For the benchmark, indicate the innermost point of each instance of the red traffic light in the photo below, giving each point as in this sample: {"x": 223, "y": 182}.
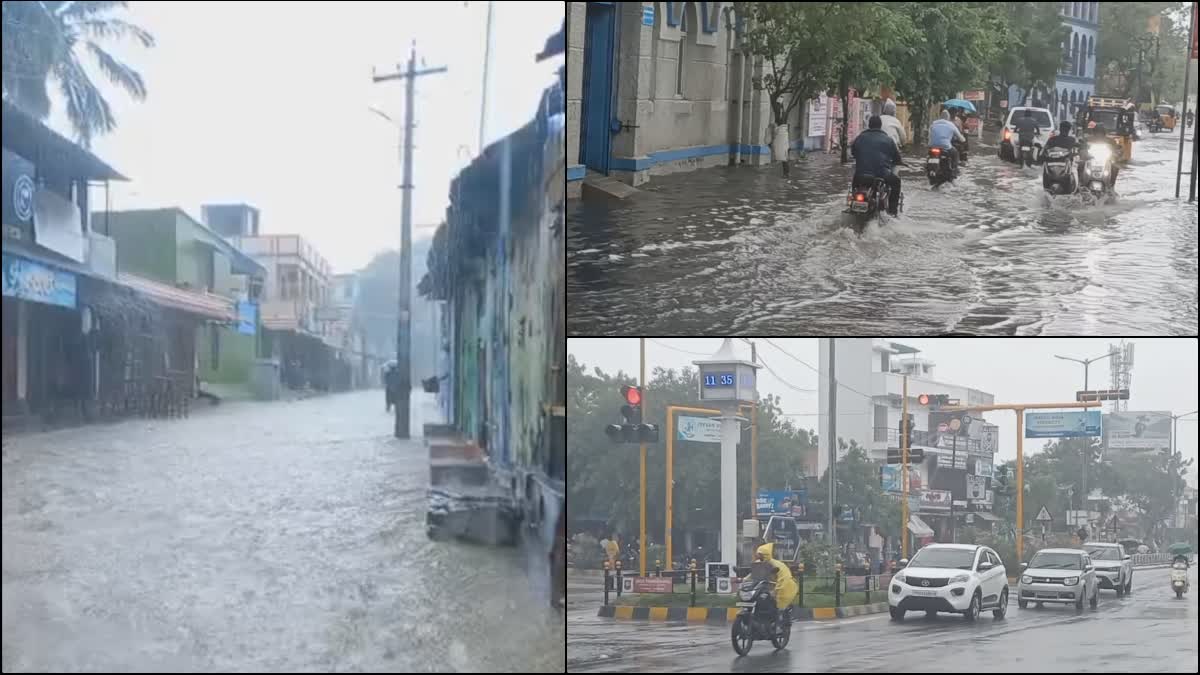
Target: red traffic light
{"x": 633, "y": 395}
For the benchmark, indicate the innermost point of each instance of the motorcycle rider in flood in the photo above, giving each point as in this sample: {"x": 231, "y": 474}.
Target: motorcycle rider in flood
{"x": 942, "y": 134}
{"x": 1026, "y": 128}
{"x": 874, "y": 155}
{"x": 1097, "y": 136}
{"x": 891, "y": 124}
{"x": 786, "y": 587}
{"x": 1064, "y": 140}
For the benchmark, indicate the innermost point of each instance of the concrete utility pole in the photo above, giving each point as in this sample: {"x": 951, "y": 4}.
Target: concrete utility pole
{"x": 832, "y": 440}
{"x": 403, "y": 326}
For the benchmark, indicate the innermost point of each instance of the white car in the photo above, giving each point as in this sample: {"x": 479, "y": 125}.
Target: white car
{"x": 1114, "y": 567}
{"x": 1045, "y": 122}
{"x": 1062, "y": 575}
{"x": 961, "y": 578}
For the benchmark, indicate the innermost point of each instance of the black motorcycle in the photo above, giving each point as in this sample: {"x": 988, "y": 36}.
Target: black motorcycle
{"x": 938, "y": 167}
{"x": 1059, "y": 175}
{"x": 1026, "y": 152}
{"x": 868, "y": 197}
{"x": 758, "y": 618}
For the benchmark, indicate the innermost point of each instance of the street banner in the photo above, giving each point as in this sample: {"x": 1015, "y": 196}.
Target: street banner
{"x": 648, "y": 584}
{"x": 973, "y": 95}
{"x": 1073, "y": 424}
{"x": 976, "y": 488}
{"x": 935, "y": 500}
{"x": 1138, "y": 430}
{"x": 699, "y": 429}
{"x": 792, "y": 503}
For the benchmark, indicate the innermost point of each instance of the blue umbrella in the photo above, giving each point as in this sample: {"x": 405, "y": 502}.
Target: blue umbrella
{"x": 959, "y": 103}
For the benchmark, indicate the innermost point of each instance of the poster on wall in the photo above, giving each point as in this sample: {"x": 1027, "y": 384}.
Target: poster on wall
{"x": 818, "y": 116}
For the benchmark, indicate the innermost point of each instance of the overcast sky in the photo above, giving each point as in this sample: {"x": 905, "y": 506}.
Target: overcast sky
{"x": 267, "y": 103}
{"x": 1014, "y": 369}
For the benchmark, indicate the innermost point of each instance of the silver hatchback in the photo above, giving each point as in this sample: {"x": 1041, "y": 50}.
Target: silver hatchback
{"x": 1062, "y": 575}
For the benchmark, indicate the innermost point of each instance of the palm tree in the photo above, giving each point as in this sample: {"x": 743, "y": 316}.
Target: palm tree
{"x": 44, "y": 43}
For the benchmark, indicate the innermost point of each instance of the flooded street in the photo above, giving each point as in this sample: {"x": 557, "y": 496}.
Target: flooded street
{"x": 746, "y": 250}
{"x": 268, "y": 537}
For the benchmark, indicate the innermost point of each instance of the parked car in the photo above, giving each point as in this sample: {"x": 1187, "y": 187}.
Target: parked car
{"x": 961, "y": 578}
{"x": 1045, "y": 122}
{"x": 1114, "y": 567}
{"x": 1059, "y": 575}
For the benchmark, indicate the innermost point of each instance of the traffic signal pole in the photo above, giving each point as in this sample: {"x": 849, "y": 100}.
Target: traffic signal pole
{"x": 642, "y": 545}
{"x": 1019, "y": 409}
{"x": 904, "y": 473}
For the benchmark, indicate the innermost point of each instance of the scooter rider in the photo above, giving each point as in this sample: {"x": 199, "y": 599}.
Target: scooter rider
{"x": 1063, "y": 139}
{"x": 874, "y": 155}
{"x": 1096, "y": 136}
{"x": 1026, "y": 128}
{"x": 942, "y": 133}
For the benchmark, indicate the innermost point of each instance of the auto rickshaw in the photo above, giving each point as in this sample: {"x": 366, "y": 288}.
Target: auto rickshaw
{"x": 1164, "y": 118}
{"x": 1117, "y": 117}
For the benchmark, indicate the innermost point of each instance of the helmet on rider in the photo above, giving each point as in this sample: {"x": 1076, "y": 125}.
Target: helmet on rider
{"x": 1064, "y": 128}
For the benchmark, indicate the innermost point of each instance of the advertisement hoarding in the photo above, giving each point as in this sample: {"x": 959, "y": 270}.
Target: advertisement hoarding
{"x": 1070, "y": 424}
{"x": 1137, "y": 430}
{"x": 699, "y": 429}
{"x": 792, "y": 503}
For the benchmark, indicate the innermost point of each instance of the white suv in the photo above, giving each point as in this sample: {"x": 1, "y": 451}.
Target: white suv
{"x": 961, "y": 578}
{"x": 1063, "y": 575}
{"x": 1041, "y": 116}
{"x": 1114, "y": 567}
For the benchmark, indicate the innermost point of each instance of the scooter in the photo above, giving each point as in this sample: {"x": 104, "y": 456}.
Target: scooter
{"x": 1097, "y": 171}
{"x": 1059, "y": 175}
{"x": 1179, "y": 578}
{"x": 937, "y": 167}
{"x": 1026, "y": 153}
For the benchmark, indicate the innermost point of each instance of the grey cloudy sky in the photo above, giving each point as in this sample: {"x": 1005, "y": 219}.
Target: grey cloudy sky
{"x": 267, "y": 103}
{"x": 1014, "y": 369}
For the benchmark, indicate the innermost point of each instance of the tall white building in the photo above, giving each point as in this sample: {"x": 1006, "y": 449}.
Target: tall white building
{"x": 870, "y": 374}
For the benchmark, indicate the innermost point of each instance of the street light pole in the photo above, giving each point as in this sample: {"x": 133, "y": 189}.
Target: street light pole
{"x": 1085, "y": 452}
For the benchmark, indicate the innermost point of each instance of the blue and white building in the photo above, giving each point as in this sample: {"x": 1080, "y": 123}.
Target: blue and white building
{"x": 1077, "y": 79}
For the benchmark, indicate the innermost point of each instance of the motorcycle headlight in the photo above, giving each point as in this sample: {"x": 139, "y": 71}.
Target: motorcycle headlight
{"x": 1101, "y": 153}
{"x": 1070, "y": 581}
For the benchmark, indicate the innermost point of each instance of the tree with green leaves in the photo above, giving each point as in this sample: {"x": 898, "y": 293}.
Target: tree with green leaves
{"x": 1031, "y": 38}
{"x": 45, "y": 44}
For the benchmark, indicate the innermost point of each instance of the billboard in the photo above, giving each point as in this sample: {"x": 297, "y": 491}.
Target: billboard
{"x": 890, "y": 477}
{"x": 1071, "y": 424}
{"x": 792, "y": 503}
{"x": 1138, "y": 430}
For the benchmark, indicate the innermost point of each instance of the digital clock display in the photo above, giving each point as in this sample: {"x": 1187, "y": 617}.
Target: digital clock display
{"x": 718, "y": 379}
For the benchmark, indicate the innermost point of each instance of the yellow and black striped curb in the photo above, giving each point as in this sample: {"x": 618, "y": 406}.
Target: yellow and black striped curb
{"x": 718, "y": 616}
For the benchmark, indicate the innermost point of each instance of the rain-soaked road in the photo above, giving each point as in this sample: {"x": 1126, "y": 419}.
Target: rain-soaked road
{"x": 721, "y": 251}
{"x": 1147, "y": 631}
{"x": 270, "y": 537}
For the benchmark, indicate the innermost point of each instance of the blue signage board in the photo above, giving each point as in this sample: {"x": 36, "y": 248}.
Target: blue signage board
{"x": 1071, "y": 424}
{"x": 247, "y": 314}
{"x": 782, "y": 503}
{"x": 32, "y": 281}
{"x": 648, "y": 15}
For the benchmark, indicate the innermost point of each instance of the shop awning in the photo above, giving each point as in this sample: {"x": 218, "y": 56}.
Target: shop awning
{"x": 202, "y": 304}
{"x": 918, "y": 527}
{"x": 985, "y": 515}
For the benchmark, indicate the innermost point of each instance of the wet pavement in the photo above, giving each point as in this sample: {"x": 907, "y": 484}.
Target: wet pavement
{"x": 1147, "y": 631}
{"x": 270, "y": 537}
{"x": 745, "y": 250}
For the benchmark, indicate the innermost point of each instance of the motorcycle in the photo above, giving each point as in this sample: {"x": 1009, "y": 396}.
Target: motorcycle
{"x": 938, "y": 167}
{"x": 869, "y": 196}
{"x": 758, "y": 618}
{"x": 962, "y": 150}
{"x": 1026, "y": 153}
{"x": 1059, "y": 174}
{"x": 1179, "y": 578}
{"x": 1097, "y": 170}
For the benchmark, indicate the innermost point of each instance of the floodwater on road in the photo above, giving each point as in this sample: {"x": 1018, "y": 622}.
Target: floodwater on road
{"x": 1149, "y": 630}
{"x": 269, "y": 537}
{"x": 744, "y": 250}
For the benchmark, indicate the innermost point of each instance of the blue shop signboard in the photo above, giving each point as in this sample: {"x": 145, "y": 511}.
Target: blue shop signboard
{"x": 247, "y": 317}
{"x": 33, "y": 281}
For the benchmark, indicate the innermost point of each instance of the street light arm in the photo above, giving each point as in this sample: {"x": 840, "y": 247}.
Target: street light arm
{"x": 1068, "y": 358}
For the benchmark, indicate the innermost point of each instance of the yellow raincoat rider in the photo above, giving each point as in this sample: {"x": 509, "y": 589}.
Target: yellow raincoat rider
{"x": 786, "y": 587}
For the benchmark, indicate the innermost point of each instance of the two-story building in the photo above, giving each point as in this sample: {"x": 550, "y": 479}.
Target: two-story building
{"x": 82, "y": 336}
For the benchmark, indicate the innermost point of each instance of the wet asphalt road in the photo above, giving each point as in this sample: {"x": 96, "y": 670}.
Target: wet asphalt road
{"x": 269, "y": 537}
{"x": 1147, "y": 631}
{"x": 736, "y": 251}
